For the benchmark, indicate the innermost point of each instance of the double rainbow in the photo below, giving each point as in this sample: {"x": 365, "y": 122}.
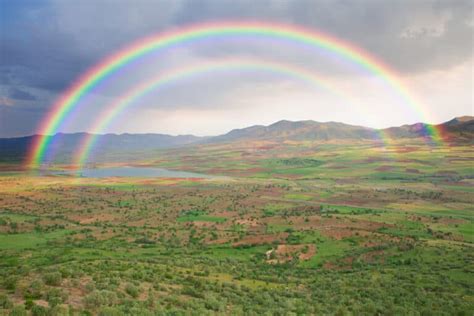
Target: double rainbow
{"x": 110, "y": 66}
{"x": 130, "y": 97}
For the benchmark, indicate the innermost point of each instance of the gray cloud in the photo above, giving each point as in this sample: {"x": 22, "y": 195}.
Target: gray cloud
{"x": 19, "y": 94}
{"x": 441, "y": 31}
{"x": 49, "y": 46}
{"x": 46, "y": 46}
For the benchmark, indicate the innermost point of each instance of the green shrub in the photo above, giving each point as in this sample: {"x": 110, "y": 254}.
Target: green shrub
{"x": 90, "y": 286}
{"x": 38, "y": 310}
{"x": 59, "y": 310}
{"x": 35, "y": 289}
{"x": 10, "y": 283}
{"x": 56, "y": 296}
{"x": 140, "y": 311}
{"x": 5, "y": 302}
{"x": 132, "y": 290}
{"x": 52, "y": 278}
{"x": 29, "y": 303}
{"x": 18, "y": 311}
{"x": 213, "y": 303}
{"x": 110, "y": 311}
{"x": 100, "y": 298}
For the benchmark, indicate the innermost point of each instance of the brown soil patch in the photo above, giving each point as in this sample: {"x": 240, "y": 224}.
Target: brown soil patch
{"x": 373, "y": 256}
{"x": 92, "y": 218}
{"x": 76, "y": 294}
{"x": 253, "y": 170}
{"x": 402, "y": 150}
{"x": 442, "y": 220}
{"x": 285, "y": 253}
{"x": 336, "y": 167}
{"x": 341, "y": 264}
{"x": 309, "y": 254}
{"x": 447, "y": 221}
{"x": 384, "y": 168}
{"x": 341, "y": 233}
{"x": 41, "y": 303}
{"x": 261, "y": 239}
{"x": 446, "y": 173}
{"x": 247, "y": 222}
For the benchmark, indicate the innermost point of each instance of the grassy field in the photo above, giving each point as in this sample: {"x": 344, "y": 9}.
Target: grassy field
{"x": 309, "y": 228}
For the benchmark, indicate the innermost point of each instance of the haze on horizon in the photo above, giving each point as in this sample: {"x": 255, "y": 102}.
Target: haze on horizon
{"x": 45, "y": 46}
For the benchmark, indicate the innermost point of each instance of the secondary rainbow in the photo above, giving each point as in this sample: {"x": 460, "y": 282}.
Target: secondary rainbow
{"x": 69, "y": 100}
{"x": 106, "y": 117}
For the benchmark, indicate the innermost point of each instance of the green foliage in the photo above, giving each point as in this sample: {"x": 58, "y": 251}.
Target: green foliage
{"x": 344, "y": 241}
{"x": 52, "y": 278}
{"x": 132, "y": 290}
{"x": 18, "y": 310}
{"x": 199, "y": 216}
{"x": 99, "y": 298}
{"x": 38, "y": 310}
{"x": 301, "y": 162}
{"x": 110, "y": 311}
{"x": 56, "y": 296}
{"x": 35, "y": 289}
{"x": 10, "y": 282}
{"x": 5, "y": 302}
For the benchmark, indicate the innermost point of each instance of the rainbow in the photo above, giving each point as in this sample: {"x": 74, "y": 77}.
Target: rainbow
{"x": 86, "y": 83}
{"x": 104, "y": 119}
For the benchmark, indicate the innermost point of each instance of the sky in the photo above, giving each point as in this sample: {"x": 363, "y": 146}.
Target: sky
{"x": 46, "y": 45}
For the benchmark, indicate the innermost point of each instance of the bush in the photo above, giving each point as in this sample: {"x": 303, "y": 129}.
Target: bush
{"x": 110, "y": 311}
{"x": 140, "y": 311}
{"x": 59, "y": 310}
{"x": 10, "y": 283}
{"x": 29, "y": 303}
{"x": 55, "y": 297}
{"x": 213, "y": 303}
{"x": 100, "y": 298}
{"x": 5, "y": 302}
{"x": 34, "y": 290}
{"x": 90, "y": 286}
{"x": 132, "y": 290}
{"x": 18, "y": 311}
{"x": 38, "y": 310}
{"x": 52, "y": 278}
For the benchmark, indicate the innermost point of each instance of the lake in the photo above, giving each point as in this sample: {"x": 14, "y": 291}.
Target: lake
{"x": 138, "y": 172}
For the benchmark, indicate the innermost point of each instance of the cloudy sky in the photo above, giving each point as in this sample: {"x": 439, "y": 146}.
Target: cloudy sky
{"x": 46, "y": 45}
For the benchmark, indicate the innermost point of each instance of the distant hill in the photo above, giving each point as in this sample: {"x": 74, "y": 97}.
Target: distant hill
{"x": 460, "y": 124}
{"x": 112, "y": 145}
{"x": 64, "y": 145}
{"x": 461, "y": 127}
{"x": 300, "y": 130}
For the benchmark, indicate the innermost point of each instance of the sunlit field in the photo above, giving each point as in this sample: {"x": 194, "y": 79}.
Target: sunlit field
{"x": 303, "y": 228}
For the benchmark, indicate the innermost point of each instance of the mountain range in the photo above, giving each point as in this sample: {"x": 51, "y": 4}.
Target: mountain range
{"x": 64, "y": 145}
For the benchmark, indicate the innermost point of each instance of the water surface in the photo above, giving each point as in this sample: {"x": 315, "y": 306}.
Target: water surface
{"x": 127, "y": 171}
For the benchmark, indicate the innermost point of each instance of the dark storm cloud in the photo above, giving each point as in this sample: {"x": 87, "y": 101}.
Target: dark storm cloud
{"x": 412, "y": 36}
{"x": 46, "y": 45}
{"x": 19, "y": 94}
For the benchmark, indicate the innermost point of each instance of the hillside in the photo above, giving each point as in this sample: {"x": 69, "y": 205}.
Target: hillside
{"x": 112, "y": 145}
{"x": 458, "y": 127}
{"x": 64, "y": 145}
{"x": 300, "y": 130}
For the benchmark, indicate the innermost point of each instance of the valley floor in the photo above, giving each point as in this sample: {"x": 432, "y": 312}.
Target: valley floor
{"x": 293, "y": 228}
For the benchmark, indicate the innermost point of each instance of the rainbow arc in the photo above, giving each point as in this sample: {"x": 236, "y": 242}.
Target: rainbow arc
{"x": 69, "y": 100}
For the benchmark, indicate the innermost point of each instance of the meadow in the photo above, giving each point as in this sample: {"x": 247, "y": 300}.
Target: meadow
{"x": 291, "y": 228}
